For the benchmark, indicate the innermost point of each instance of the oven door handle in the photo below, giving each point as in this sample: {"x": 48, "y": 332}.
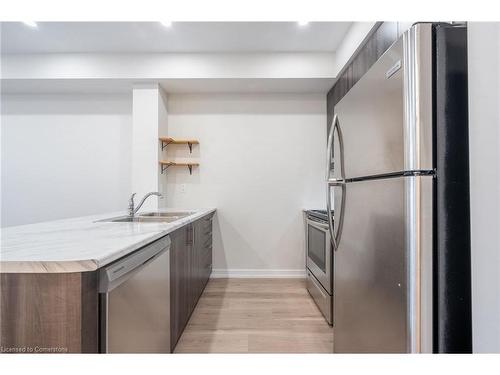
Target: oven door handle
{"x": 318, "y": 224}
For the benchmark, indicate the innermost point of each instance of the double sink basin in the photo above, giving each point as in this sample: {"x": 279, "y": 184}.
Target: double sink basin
{"x": 150, "y": 217}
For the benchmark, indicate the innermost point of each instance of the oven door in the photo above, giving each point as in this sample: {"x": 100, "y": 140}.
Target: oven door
{"x": 319, "y": 254}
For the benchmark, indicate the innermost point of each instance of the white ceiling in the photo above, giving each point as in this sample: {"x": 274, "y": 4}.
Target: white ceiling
{"x": 131, "y": 37}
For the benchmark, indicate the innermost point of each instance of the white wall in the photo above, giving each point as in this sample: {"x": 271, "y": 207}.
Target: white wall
{"x": 484, "y": 133}
{"x": 147, "y": 109}
{"x": 358, "y": 32}
{"x": 162, "y": 130}
{"x": 261, "y": 162}
{"x": 64, "y": 156}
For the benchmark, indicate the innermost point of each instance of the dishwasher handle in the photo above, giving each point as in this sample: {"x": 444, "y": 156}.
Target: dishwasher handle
{"x": 118, "y": 272}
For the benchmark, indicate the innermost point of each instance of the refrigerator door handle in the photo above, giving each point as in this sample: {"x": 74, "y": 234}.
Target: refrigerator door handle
{"x": 335, "y": 237}
{"x": 335, "y": 127}
{"x": 329, "y": 214}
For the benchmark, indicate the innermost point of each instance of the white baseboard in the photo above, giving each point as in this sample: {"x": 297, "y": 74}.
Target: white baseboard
{"x": 257, "y": 273}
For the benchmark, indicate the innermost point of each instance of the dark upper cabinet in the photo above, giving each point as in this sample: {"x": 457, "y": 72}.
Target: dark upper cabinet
{"x": 374, "y": 47}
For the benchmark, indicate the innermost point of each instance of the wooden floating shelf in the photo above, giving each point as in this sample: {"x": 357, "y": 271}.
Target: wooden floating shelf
{"x": 165, "y": 141}
{"x": 166, "y": 164}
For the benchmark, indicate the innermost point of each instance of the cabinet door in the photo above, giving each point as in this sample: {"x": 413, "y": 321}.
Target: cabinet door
{"x": 174, "y": 289}
{"x": 186, "y": 275}
{"x": 192, "y": 296}
{"x": 190, "y": 268}
{"x": 179, "y": 263}
{"x": 206, "y": 250}
{"x": 198, "y": 243}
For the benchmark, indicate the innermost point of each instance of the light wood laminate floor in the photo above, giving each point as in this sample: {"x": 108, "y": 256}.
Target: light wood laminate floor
{"x": 256, "y": 316}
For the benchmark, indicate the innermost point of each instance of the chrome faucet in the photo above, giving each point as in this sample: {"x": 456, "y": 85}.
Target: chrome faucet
{"x": 131, "y": 205}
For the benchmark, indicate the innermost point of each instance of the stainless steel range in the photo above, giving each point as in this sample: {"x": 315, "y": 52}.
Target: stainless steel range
{"x": 319, "y": 261}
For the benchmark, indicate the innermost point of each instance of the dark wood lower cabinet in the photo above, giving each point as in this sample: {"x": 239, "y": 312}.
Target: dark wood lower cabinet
{"x": 190, "y": 269}
{"x": 178, "y": 283}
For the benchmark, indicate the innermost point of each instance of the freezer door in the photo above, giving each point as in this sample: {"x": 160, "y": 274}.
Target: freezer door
{"x": 386, "y": 118}
{"x": 377, "y": 264}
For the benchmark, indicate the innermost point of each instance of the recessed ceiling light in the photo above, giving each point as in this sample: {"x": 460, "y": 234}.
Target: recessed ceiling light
{"x": 31, "y": 24}
{"x": 303, "y": 23}
{"x": 166, "y": 23}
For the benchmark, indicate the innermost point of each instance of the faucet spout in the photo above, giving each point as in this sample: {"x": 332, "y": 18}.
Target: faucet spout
{"x": 132, "y": 210}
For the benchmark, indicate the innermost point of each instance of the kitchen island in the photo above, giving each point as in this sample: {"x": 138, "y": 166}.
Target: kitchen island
{"x": 50, "y": 276}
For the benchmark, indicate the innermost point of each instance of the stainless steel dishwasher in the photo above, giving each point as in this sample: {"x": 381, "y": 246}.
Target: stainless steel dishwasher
{"x": 134, "y": 301}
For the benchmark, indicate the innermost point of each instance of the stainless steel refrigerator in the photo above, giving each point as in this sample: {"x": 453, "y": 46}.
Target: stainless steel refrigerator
{"x": 397, "y": 179}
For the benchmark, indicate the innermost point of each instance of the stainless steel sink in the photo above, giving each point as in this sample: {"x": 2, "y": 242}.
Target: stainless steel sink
{"x": 150, "y": 217}
{"x": 141, "y": 219}
{"x": 178, "y": 214}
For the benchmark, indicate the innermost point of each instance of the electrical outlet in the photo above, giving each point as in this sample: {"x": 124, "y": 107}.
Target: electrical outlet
{"x": 183, "y": 188}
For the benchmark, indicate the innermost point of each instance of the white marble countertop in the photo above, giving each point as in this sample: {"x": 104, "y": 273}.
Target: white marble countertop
{"x": 80, "y": 244}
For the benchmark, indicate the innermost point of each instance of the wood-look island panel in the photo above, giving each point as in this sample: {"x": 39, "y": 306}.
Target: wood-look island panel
{"x": 48, "y": 313}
